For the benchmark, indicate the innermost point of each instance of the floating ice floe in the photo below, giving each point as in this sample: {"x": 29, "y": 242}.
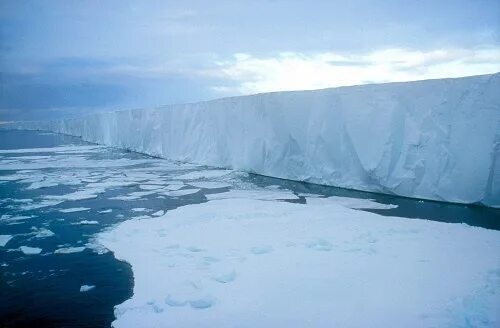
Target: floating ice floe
{"x": 87, "y": 222}
{"x": 205, "y": 174}
{"x": 30, "y": 250}
{"x": 4, "y": 239}
{"x": 41, "y": 184}
{"x": 125, "y": 198}
{"x": 139, "y": 209}
{"x": 174, "y": 186}
{"x": 74, "y": 209}
{"x": 215, "y": 263}
{"x": 150, "y": 187}
{"x": 105, "y": 211}
{"x": 15, "y": 219}
{"x": 178, "y": 193}
{"x": 159, "y": 213}
{"x": 42, "y": 232}
{"x": 210, "y": 184}
{"x": 86, "y": 288}
{"x": 77, "y": 195}
{"x": 69, "y": 250}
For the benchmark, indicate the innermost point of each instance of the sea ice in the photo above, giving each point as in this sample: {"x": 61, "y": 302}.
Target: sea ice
{"x": 69, "y": 250}
{"x": 210, "y": 184}
{"x": 159, "y": 213}
{"x": 178, "y": 193}
{"x": 206, "y": 174}
{"x": 86, "y": 288}
{"x": 30, "y": 250}
{"x": 74, "y": 209}
{"x": 42, "y": 232}
{"x": 4, "y": 239}
{"x": 252, "y": 263}
{"x": 87, "y": 222}
{"x": 150, "y": 187}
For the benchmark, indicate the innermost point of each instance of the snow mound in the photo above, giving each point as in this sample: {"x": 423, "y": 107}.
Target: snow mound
{"x": 434, "y": 139}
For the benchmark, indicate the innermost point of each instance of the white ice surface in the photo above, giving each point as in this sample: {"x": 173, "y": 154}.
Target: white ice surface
{"x": 30, "y": 250}
{"x": 434, "y": 139}
{"x": 86, "y": 288}
{"x": 178, "y": 193}
{"x": 74, "y": 209}
{"x": 252, "y": 263}
{"x": 42, "y": 232}
{"x": 88, "y": 222}
{"x": 210, "y": 184}
{"x": 207, "y": 174}
{"x": 4, "y": 239}
{"x": 139, "y": 209}
{"x": 69, "y": 250}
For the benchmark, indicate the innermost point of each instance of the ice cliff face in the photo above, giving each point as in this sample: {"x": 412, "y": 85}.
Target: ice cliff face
{"x": 435, "y": 139}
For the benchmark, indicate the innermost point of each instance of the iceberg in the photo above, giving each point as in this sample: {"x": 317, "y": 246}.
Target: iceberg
{"x": 432, "y": 139}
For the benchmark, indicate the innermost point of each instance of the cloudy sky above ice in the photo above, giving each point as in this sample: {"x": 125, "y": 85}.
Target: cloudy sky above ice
{"x": 66, "y": 58}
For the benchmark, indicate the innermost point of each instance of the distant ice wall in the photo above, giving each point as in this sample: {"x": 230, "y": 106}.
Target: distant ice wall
{"x": 434, "y": 139}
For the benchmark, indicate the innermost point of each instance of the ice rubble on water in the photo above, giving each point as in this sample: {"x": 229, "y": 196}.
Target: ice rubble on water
{"x": 434, "y": 139}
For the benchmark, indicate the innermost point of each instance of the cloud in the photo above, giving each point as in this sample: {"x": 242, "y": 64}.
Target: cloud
{"x": 297, "y": 71}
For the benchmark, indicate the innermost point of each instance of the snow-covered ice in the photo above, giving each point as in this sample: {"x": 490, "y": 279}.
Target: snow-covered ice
{"x": 158, "y": 213}
{"x": 434, "y": 139}
{"x": 178, "y": 193}
{"x": 149, "y": 187}
{"x": 86, "y": 288}
{"x": 30, "y": 250}
{"x": 88, "y": 222}
{"x": 69, "y": 250}
{"x": 42, "y": 232}
{"x": 254, "y": 263}
{"x": 210, "y": 184}
{"x": 4, "y": 239}
{"x": 74, "y": 209}
{"x": 206, "y": 174}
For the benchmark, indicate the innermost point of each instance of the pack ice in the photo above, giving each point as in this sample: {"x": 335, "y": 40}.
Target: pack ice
{"x": 434, "y": 139}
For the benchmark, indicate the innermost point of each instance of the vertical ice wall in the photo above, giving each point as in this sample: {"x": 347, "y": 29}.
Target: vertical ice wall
{"x": 435, "y": 139}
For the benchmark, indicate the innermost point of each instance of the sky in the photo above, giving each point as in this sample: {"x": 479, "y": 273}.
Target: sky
{"x": 70, "y": 58}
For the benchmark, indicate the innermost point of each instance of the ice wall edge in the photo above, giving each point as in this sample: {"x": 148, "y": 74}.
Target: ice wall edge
{"x": 433, "y": 139}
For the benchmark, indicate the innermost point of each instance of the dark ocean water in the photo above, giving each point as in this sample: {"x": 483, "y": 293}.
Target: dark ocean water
{"x": 43, "y": 290}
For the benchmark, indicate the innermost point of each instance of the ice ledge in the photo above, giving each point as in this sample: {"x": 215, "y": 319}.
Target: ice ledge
{"x": 434, "y": 139}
